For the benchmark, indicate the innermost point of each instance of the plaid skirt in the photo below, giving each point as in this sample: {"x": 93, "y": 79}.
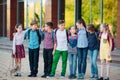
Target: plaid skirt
{"x": 20, "y": 52}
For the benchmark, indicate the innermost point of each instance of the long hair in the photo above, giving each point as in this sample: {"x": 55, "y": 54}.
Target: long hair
{"x": 81, "y": 21}
{"x": 106, "y": 27}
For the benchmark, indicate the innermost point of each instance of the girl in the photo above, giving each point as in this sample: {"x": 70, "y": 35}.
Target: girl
{"x": 105, "y": 50}
{"x": 82, "y": 46}
{"x": 93, "y": 47}
{"x": 72, "y": 52}
{"x": 18, "y": 48}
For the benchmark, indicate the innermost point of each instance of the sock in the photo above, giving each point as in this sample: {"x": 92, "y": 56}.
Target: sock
{"x": 108, "y": 69}
{"x": 102, "y": 65}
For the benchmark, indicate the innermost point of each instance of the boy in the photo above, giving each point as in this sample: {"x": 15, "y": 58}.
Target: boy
{"x": 48, "y": 48}
{"x": 34, "y": 44}
{"x": 60, "y": 48}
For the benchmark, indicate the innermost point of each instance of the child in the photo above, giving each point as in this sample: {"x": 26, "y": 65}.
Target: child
{"x": 18, "y": 48}
{"x": 93, "y": 48}
{"x": 48, "y": 48}
{"x": 82, "y": 48}
{"x": 34, "y": 36}
{"x": 60, "y": 49}
{"x": 105, "y": 50}
{"x": 72, "y": 50}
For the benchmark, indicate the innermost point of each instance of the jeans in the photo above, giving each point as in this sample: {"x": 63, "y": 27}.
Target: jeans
{"x": 56, "y": 57}
{"x": 82, "y": 60}
{"x": 48, "y": 57}
{"x": 93, "y": 61}
{"x": 33, "y": 60}
{"x": 72, "y": 63}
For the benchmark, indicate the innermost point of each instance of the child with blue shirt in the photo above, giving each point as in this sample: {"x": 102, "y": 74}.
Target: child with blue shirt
{"x": 82, "y": 48}
{"x": 93, "y": 48}
{"x": 72, "y": 52}
{"x": 34, "y": 36}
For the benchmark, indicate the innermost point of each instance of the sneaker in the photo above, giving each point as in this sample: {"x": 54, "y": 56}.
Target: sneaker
{"x": 79, "y": 76}
{"x": 17, "y": 75}
{"x": 44, "y": 76}
{"x": 92, "y": 76}
{"x": 32, "y": 75}
{"x": 107, "y": 78}
{"x": 50, "y": 76}
{"x": 73, "y": 76}
{"x": 62, "y": 76}
{"x": 70, "y": 76}
{"x": 101, "y": 78}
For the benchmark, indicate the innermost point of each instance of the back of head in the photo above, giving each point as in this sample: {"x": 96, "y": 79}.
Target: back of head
{"x": 81, "y": 21}
{"x": 33, "y": 22}
{"x": 50, "y": 24}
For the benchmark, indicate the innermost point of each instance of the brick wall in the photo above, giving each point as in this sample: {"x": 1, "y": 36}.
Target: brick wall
{"x": 118, "y": 26}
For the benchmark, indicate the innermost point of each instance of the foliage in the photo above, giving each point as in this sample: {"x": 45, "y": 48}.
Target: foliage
{"x": 109, "y": 12}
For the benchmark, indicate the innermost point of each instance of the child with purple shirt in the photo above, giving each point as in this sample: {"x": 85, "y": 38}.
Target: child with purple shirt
{"x": 48, "y": 48}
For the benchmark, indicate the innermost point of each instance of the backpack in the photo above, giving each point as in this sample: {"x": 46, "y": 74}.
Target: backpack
{"x": 39, "y": 36}
{"x": 98, "y": 40}
{"x": 108, "y": 38}
{"x": 66, "y": 34}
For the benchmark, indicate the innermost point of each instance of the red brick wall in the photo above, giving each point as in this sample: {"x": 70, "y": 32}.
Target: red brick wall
{"x": 118, "y": 26}
{"x": 1, "y": 19}
{"x": 11, "y": 17}
{"x": 21, "y": 12}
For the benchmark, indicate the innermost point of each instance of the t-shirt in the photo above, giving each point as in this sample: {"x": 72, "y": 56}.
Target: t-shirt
{"x": 61, "y": 39}
{"x": 48, "y": 40}
{"x": 92, "y": 41}
{"x": 82, "y": 38}
{"x": 72, "y": 46}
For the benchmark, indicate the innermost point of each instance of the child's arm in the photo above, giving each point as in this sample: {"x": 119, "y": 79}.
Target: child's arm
{"x": 54, "y": 49}
{"x": 14, "y": 49}
{"x": 110, "y": 42}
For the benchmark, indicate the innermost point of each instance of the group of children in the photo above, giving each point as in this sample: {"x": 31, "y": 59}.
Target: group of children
{"x": 73, "y": 44}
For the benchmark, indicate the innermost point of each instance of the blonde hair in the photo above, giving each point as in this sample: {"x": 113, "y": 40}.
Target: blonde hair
{"x": 106, "y": 27}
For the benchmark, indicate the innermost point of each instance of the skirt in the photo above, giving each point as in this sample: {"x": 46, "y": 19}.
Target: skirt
{"x": 20, "y": 52}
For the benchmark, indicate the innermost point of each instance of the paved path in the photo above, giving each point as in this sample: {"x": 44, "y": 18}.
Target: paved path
{"x": 5, "y": 62}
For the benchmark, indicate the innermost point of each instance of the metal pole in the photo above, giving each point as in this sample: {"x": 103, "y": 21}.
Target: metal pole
{"x": 90, "y": 11}
{"x": 27, "y": 13}
{"x": 40, "y": 13}
{"x": 17, "y": 11}
{"x": 3, "y": 19}
{"x": 101, "y": 11}
{"x": 34, "y": 11}
{"x": 59, "y": 10}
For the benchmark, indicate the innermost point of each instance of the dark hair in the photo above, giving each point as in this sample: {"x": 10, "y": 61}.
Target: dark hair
{"x": 33, "y": 22}
{"x": 50, "y": 24}
{"x": 61, "y": 21}
{"x": 81, "y": 21}
{"x": 91, "y": 27}
{"x": 17, "y": 25}
{"x": 70, "y": 29}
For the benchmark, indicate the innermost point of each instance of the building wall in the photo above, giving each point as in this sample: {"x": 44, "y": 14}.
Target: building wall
{"x": 118, "y": 26}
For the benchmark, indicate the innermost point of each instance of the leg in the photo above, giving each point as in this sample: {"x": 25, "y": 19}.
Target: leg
{"x": 50, "y": 60}
{"x": 55, "y": 61}
{"x": 84, "y": 60}
{"x": 64, "y": 62}
{"x": 79, "y": 53}
{"x": 45, "y": 56}
{"x": 31, "y": 61}
{"x": 91, "y": 61}
{"x": 74, "y": 64}
{"x": 108, "y": 68}
{"x": 94, "y": 60}
{"x": 36, "y": 60}
{"x": 102, "y": 66}
{"x": 70, "y": 63}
